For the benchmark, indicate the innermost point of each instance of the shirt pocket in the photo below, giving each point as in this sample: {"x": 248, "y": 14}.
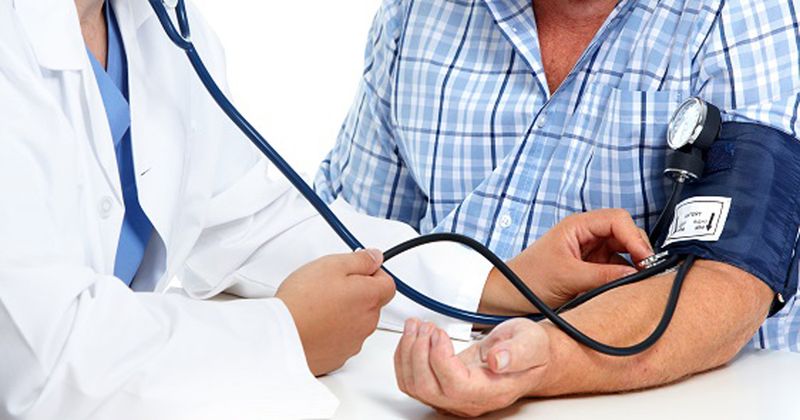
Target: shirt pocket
{"x": 624, "y": 134}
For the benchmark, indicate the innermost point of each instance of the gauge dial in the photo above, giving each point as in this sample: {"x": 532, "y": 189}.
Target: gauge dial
{"x": 686, "y": 123}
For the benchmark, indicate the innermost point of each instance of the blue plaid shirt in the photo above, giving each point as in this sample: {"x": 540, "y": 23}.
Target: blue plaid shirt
{"x": 454, "y": 128}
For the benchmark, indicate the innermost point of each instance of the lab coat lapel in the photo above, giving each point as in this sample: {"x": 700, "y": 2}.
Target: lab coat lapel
{"x": 158, "y": 103}
{"x": 53, "y": 29}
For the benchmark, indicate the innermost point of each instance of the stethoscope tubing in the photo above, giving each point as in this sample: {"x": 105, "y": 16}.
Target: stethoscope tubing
{"x": 183, "y": 41}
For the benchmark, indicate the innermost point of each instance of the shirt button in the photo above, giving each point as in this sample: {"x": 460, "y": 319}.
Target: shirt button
{"x": 542, "y": 121}
{"x": 505, "y": 221}
{"x": 105, "y": 206}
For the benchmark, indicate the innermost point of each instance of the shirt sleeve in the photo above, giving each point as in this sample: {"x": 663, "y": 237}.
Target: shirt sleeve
{"x": 366, "y": 165}
{"x": 749, "y": 65}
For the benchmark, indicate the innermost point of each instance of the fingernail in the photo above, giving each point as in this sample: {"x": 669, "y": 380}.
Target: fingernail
{"x": 375, "y": 254}
{"x": 629, "y": 272}
{"x": 502, "y": 358}
{"x": 435, "y": 338}
{"x": 411, "y": 327}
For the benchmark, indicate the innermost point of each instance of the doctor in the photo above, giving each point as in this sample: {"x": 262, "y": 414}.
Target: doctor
{"x": 118, "y": 173}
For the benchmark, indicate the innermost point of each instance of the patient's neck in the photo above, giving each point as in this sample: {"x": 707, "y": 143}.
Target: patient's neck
{"x": 572, "y": 13}
{"x": 566, "y": 27}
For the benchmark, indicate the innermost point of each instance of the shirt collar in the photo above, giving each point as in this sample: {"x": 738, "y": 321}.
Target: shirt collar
{"x": 515, "y": 19}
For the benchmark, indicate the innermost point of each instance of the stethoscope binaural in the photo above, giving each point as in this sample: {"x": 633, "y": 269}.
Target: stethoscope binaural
{"x": 678, "y": 170}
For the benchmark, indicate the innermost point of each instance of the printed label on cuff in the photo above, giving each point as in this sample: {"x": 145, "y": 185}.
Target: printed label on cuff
{"x": 699, "y": 219}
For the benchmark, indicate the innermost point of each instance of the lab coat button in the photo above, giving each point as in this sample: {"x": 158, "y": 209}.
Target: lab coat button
{"x": 505, "y": 221}
{"x": 105, "y": 207}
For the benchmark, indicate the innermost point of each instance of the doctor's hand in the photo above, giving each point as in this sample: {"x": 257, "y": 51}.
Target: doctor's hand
{"x": 577, "y": 255}
{"x": 335, "y": 302}
{"x": 489, "y": 375}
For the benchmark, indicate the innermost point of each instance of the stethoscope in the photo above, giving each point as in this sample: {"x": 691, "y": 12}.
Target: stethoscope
{"x": 682, "y": 167}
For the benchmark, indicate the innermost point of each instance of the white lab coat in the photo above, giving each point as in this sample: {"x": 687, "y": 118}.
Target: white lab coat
{"x": 76, "y": 343}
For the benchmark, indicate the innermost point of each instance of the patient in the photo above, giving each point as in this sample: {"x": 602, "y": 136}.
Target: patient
{"x": 498, "y": 118}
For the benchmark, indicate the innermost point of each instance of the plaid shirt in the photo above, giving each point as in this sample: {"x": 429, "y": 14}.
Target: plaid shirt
{"x": 454, "y": 128}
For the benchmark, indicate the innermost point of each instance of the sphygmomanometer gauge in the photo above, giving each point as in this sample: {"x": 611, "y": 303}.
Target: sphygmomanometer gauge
{"x": 692, "y": 129}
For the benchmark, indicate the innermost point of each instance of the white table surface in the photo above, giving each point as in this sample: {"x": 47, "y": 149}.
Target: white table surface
{"x": 757, "y": 385}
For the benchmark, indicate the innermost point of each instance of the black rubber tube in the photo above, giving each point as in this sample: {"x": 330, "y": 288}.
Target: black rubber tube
{"x": 552, "y": 315}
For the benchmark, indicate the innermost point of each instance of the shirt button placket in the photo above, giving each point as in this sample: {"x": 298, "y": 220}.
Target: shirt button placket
{"x": 542, "y": 121}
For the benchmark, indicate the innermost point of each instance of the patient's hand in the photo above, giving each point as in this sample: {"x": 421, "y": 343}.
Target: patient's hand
{"x": 489, "y": 375}
{"x": 577, "y": 255}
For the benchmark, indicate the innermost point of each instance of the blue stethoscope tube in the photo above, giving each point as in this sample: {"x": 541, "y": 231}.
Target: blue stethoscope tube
{"x": 183, "y": 41}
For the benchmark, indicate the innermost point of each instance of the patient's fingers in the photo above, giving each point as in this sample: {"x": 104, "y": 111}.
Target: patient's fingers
{"x": 402, "y": 356}
{"x": 426, "y": 386}
{"x": 526, "y": 347}
{"x": 449, "y": 368}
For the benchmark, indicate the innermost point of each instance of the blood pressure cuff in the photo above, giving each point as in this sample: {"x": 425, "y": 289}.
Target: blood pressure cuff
{"x": 745, "y": 209}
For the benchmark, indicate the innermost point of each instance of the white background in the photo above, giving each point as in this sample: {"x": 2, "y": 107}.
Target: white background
{"x": 293, "y": 67}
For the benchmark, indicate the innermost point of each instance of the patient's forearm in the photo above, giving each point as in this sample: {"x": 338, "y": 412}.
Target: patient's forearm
{"x": 720, "y": 308}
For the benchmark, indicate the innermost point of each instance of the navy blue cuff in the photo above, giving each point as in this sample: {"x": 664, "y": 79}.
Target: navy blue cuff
{"x": 758, "y": 168}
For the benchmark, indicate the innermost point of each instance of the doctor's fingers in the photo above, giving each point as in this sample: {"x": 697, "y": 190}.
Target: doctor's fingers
{"x": 588, "y": 275}
{"x": 607, "y": 250}
{"x": 377, "y": 289}
{"x": 364, "y": 262}
{"x": 615, "y": 226}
